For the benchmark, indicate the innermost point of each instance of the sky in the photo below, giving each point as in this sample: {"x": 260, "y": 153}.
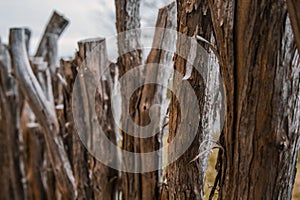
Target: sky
{"x": 88, "y": 19}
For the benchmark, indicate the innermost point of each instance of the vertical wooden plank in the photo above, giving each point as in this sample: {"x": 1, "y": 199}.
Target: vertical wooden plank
{"x": 44, "y": 111}
{"x": 156, "y": 94}
{"x": 10, "y": 129}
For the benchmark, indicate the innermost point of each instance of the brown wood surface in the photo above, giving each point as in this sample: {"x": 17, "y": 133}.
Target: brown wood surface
{"x": 155, "y": 94}
{"x": 259, "y": 65}
{"x": 43, "y": 110}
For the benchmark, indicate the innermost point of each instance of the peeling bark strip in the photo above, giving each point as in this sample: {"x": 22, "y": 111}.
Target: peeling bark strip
{"x": 155, "y": 94}
{"x": 44, "y": 112}
{"x": 10, "y": 169}
{"x": 260, "y": 70}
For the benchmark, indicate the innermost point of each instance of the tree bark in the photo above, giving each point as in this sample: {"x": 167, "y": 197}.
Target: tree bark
{"x": 293, "y": 7}
{"x": 260, "y": 70}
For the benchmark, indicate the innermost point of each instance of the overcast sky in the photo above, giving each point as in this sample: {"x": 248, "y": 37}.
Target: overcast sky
{"x": 88, "y": 18}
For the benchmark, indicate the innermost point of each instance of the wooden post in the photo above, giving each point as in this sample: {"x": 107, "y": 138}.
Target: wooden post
{"x": 56, "y": 25}
{"x": 51, "y": 56}
{"x": 28, "y": 36}
{"x": 260, "y": 69}
{"x": 128, "y": 19}
{"x": 48, "y": 49}
{"x": 44, "y": 111}
{"x": 10, "y": 157}
{"x": 34, "y": 144}
{"x": 293, "y": 10}
{"x": 154, "y": 94}
{"x": 93, "y": 57}
{"x": 44, "y": 77}
{"x": 185, "y": 179}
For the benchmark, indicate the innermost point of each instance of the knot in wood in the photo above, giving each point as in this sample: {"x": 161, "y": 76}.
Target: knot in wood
{"x": 283, "y": 144}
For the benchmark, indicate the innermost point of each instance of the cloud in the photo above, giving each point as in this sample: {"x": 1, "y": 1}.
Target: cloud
{"x": 89, "y": 18}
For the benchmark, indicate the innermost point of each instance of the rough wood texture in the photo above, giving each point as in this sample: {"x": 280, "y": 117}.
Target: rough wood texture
{"x": 34, "y": 152}
{"x": 33, "y": 161}
{"x": 10, "y": 170}
{"x": 93, "y": 58}
{"x": 51, "y": 56}
{"x": 156, "y": 94}
{"x": 293, "y": 9}
{"x": 44, "y": 111}
{"x": 77, "y": 152}
{"x": 128, "y": 19}
{"x": 48, "y": 50}
{"x": 42, "y": 72}
{"x": 56, "y": 26}
{"x": 185, "y": 179}
{"x": 28, "y": 36}
{"x": 260, "y": 70}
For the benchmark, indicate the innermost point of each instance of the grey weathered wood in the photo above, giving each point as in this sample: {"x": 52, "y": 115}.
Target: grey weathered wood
{"x": 44, "y": 111}
{"x": 77, "y": 151}
{"x": 44, "y": 77}
{"x": 48, "y": 49}
{"x": 93, "y": 58}
{"x": 28, "y": 37}
{"x": 56, "y": 26}
{"x": 10, "y": 170}
{"x": 52, "y": 52}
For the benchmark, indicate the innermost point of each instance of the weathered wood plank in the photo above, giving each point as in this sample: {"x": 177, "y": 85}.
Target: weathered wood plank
{"x": 10, "y": 170}
{"x": 156, "y": 94}
{"x": 92, "y": 60}
{"x": 260, "y": 69}
{"x": 127, "y": 20}
{"x": 56, "y": 26}
{"x": 185, "y": 179}
{"x": 44, "y": 112}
